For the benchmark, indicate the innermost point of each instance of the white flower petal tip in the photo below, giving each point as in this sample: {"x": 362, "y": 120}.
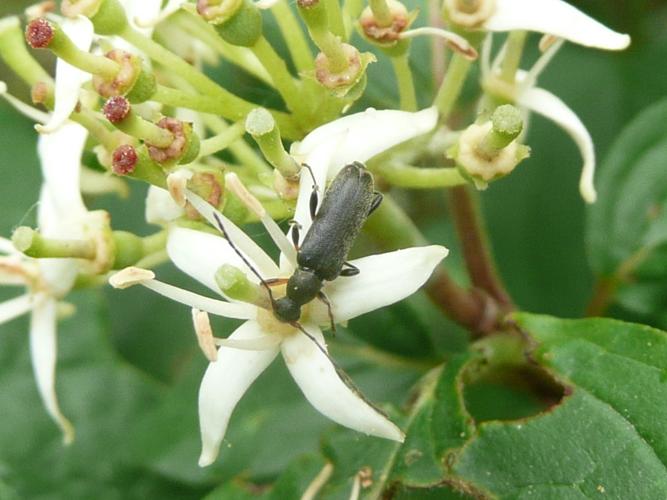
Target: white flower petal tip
{"x": 328, "y": 392}
{"x": 204, "y": 334}
{"x": 554, "y": 17}
{"x": 384, "y": 279}
{"x": 161, "y": 207}
{"x": 177, "y": 184}
{"x": 223, "y": 385}
{"x": 362, "y": 135}
{"x": 131, "y": 276}
{"x": 548, "y": 105}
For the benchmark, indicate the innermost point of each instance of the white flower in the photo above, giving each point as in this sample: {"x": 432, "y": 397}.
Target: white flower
{"x": 551, "y": 17}
{"x": 61, "y": 214}
{"x": 556, "y": 19}
{"x": 383, "y": 280}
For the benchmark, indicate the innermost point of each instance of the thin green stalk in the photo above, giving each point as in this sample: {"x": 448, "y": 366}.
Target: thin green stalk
{"x": 207, "y": 104}
{"x": 96, "y": 128}
{"x": 241, "y": 150}
{"x": 408, "y": 176}
{"x": 235, "y": 107}
{"x": 451, "y": 85}
{"x": 381, "y": 12}
{"x": 222, "y": 140}
{"x": 240, "y": 56}
{"x": 282, "y": 78}
{"x": 514, "y": 49}
{"x": 300, "y": 52}
{"x": 335, "y": 15}
{"x": 406, "y": 86}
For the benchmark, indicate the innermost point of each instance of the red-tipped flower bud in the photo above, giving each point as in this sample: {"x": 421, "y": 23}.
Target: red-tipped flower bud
{"x": 39, "y": 33}
{"x": 124, "y": 160}
{"x": 116, "y": 109}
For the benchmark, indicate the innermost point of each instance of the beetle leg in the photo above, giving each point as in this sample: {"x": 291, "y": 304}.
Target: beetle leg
{"x": 322, "y": 296}
{"x": 296, "y": 227}
{"x": 313, "y": 196}
{"x": 351, "y": 270}
{"x": 377, "y": 199}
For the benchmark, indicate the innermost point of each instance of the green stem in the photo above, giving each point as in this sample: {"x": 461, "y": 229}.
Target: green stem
{"x": 33, "y": 244}
{"x": 63, "y": 47}
{"x": 408, "y": 176}
{"x": 240, "y": 56}
{"x": 451, "y": 85}
{"x": 317, "y": 19}
{"x": 335, "y": 15}
{"x": 282, "y": 79}
{"x": 300, "y": 52}
{"x": 406, "y": 86}
{"x": 208, "y": 104}
{"x": 381, "y": 12}
{"x": 510, "y": 64}
{"x": 97, "y": 128}
{"x": 235, "y": 107}
{"x": 241, "y": 150}
{"x": 222, "y": 140}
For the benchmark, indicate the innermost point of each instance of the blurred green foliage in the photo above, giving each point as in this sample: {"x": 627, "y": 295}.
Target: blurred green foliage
{"x": 129, "y": 368}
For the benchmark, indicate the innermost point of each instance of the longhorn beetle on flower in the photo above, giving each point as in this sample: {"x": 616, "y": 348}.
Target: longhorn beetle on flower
{"x": 322, "y": 256}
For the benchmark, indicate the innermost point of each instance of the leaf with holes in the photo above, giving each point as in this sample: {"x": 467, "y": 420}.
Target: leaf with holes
{"x": 607, "y": 437}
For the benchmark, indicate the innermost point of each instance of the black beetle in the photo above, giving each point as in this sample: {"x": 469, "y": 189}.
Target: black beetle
{"x": 322, "y": 256}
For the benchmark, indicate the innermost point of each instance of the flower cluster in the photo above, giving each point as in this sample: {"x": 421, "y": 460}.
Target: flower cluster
{"x": 129, "y": 89}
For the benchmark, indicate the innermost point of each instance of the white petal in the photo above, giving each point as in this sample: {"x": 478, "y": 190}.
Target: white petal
{"x": 548, "y": 105}
{"x": 554, "y": 17}
{"x": 138, "y": 11}
{"x": 32, "y": 113}
{"x": 213, "y": 306}
{"x": 324, "y": 388}
{"x": 356, "y": 137}
{"x": 160, "y": 207}
{"x": 384, "y": 279}
{"x": 68, "y": 78}
{"x": 365, "y": 134}
{"x": 223, "y": 385}
{"x": 43, "y": 352}
{"x": 13, "y": 308}
{"x": 60, "y": 157}
{"x": 200, "y": 255}
{"x": 242, "y": 241}
{"x": 146, "y": 20}
{"x": 6, "y": 246}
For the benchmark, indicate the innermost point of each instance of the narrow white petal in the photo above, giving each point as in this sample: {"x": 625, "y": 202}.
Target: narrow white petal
{"x": 43, "y": 352}
{"x": 6, "y": 246}
{"x": 557, "y": 18}
{"x": 68, "y": 78}
{"x": 321, "y": 383}
{"x": 365, "y": 134}
{"x": 200, "y": 255}
{"x": 384, "y": 279}
{"x": 243, "y": 242}
{"x": 160, "y": 206}
{"x": 223, "y": 385}
{"x": 255, "y": 344}
{"x": 213, "y": 306}
{"x": 60, "y": 157}
{"x": 147, "y": 21}
{"x": 32, "y": 113}
{"x": 548, "y": 105}
{"x": 13, "y": 308}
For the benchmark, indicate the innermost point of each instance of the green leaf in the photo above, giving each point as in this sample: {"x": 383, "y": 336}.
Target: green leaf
{"x": 629, "y": 215}
{"x": 99, "y": 392}
{"x": 607, "y": 437}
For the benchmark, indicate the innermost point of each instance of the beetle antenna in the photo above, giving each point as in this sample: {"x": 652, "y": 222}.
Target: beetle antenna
{"x": 243, "y": 258}
{"x": 312, "y": 175}
{"x": 300, "y": 327}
